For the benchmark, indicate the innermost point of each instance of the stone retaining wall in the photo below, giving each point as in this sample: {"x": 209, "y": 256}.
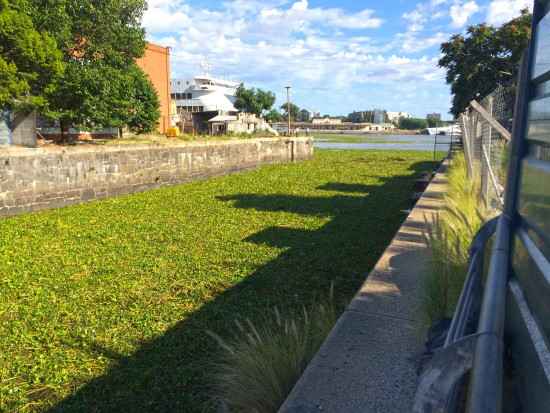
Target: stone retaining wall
{"x": 52, "y": 177}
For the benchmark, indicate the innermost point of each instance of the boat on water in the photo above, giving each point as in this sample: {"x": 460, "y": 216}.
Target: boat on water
{"x": 204, "y": 93}
{"x": 444, "y": 130}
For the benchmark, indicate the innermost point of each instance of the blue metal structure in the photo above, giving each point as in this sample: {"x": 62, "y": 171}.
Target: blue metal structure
{"x": 513, "y": 316}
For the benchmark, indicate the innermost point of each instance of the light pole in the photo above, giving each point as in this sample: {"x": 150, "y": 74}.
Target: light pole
{"x": 288, "y": 108}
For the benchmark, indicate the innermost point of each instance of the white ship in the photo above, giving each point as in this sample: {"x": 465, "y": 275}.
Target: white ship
{"x": 204, "y": 93}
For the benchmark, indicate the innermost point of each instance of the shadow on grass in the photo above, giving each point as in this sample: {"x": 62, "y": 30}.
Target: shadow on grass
{"x": 171, "y": 374}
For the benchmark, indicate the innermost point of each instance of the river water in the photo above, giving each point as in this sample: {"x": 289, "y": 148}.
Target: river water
{"x": 399, "y": 142}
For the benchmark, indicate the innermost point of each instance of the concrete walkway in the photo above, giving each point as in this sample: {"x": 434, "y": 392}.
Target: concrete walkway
{"x": 369, "y": 362}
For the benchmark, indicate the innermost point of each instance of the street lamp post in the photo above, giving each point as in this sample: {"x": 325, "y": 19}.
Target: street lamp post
{"x": 288, "y": 108}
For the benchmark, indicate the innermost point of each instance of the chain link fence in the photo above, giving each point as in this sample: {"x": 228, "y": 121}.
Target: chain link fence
{"x": 486, "y": 133}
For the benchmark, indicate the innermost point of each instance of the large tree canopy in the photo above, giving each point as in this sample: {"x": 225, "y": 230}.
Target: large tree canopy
{"x": 294, "y": 111}
{"x": 29, "y": 59}
{"x": 99, "y": 40}
{"x": 274, "y": 116}
{"x": 303, "y": 116}
{"x": 483, "y": 59}
{"x": 256, "y": 101}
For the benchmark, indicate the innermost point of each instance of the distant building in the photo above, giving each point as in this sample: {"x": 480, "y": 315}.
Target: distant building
{"x": 316, "y": 114}
{"x": 326, "y": 127}
{"x": 327, "y": 120}
{"x": 436, "y": 116}
{"x": 379, "y": 116}
{"x": 395, "y": 116}
{"x": 356, "y": 116}
{"x": 156, "y": 64}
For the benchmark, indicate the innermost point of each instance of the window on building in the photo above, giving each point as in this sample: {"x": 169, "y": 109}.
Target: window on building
{"x": 188, "y": 96}
{"x": 178, "y": 83}
{"x": 187, "y": 82}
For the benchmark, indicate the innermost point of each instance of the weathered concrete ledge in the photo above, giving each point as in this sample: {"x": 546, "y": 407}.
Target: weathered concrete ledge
{"x": 33, "y": 179}
{"x": 369, "y": 361}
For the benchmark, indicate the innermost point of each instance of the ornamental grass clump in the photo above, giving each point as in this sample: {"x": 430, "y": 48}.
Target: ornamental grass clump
{"x": 261, "y": 363}
{"x": 448, "y": 238}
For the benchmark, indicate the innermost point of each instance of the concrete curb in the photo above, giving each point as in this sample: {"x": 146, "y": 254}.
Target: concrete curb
{"x": 369, "y": 361}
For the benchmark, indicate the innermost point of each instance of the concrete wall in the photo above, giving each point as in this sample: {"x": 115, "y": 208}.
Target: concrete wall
{"x": 23, "y": 128}
{"x": 51, "y": 177}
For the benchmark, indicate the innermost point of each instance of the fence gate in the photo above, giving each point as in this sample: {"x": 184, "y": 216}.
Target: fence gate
{"x": 5, "y": 133}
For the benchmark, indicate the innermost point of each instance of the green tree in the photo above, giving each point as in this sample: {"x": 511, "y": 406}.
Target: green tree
{"x": 29, "y": 59}
{"x": 274, "y": 116}
{"x": 432, "y": 123}
{"x": 303, "y": 116}
{"x": 99, "y": 40}
{"x": 256, "y": 101}
{"x": 413, "y": 123}
{"x": 294, "y": 112}
{"x": 145, "y": 113}
{"x": 483, "y": 59}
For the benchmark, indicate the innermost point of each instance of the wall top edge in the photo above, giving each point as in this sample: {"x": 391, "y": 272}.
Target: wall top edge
{"x": 11, "y": 151}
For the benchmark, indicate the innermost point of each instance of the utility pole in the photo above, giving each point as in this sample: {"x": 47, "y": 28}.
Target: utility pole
{"x": 288, "y": 108}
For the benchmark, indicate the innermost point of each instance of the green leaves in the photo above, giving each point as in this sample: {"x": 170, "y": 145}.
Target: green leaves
{"x": 29, "y": 60}
{"x": 256, "y": 101}
{"x": 99, "y": 301}
{"x": 412, "y": 123}
{"x": 483, "y": 59}
{"x": 101, "y": 84}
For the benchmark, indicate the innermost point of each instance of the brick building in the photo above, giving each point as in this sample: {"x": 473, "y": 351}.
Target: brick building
{"x": 156, "y": 64}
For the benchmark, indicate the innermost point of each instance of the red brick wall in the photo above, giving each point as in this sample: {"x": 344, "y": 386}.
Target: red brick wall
{"x": 156, "y": 63}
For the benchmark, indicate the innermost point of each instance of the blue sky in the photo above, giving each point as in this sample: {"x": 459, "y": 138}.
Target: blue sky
{"x": 337, "y": 56}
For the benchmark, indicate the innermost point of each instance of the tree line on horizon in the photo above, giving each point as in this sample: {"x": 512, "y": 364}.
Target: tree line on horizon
{"x": 76, "y": 62}
{"x": 260, "y": 103}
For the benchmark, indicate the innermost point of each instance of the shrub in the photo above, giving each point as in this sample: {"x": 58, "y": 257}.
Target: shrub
{"x": 448, "y": 238}
{"x": 261, "y": 363}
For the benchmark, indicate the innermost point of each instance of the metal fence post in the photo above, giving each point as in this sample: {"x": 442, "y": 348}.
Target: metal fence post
{"x": 466, "y": 143}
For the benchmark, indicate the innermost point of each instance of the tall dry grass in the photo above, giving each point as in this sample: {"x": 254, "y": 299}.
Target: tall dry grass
{"x": 260, "y": 364}
{"x": 448, "y": 238}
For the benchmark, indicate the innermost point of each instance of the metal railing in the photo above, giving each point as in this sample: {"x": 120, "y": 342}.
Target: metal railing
{"x": 517, "y": 287}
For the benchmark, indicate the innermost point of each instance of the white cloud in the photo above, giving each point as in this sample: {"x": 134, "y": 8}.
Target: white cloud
{"x": 157, "y": 20}
{"x": 415, "y": 27}
{"x": 501, "y": 11}
{"x": 321, "y": 52}
{"x": 460, "y": 13}
{"x": 415, "y": 16}
{"x": 301, "y": 5}
{"x": 425, "y": 12}
{"x": 361, "y": 20}
{"x": 416, "y": 42}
